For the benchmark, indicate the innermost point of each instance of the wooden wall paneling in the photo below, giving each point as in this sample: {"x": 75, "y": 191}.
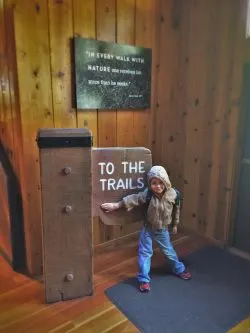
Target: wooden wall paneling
{"x": 197, "y": 37}
{"x": 144, "y": 28}
{"x": 2, "y": 38}
{"x": 1, "y": 68}
{"x": 220, "y": 106}
{"x": 125, "y": 118}
{"x": 7, "y": 89}
{"x": 182, "y": 77}
{"x": 34, "y": 76}
{"x": 226, "y": 137}
{"x": 174, "y": 138}
{"x": 240, "y": 138}
{"x": 61, "y": 32}
{"x": 7, "y": 130}
{"x": 13, "y": 87}
{"x": 134, "y": 227}
{"x": 214, "y": 12}
{"x": 84, "y": 21}
{"x": 158, "y": 122}
{"x": 67, "y": 220}
{"x": 232, "y": 116}
{"x": 1, "y": 107}
{"x": 155, "y": 84}
{"x": 195, "y": 95}
{"x": 107, "y": 132}
{"x": 106, "y": 31}
{"x": 125, "y": 35}
{"x": 168, "y": 118}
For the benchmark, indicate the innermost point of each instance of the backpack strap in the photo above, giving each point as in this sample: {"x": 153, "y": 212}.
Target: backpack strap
{"x": 179, "y": 198}
{"x": 149, "y": 196}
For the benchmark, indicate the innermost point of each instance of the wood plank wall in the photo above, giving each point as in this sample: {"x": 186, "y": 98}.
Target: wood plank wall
{"x": 199, "y": 104}
{"x": 191, "y": 127}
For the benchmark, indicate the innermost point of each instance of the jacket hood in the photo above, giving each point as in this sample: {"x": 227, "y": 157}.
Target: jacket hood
{"x": 159, "y": 172}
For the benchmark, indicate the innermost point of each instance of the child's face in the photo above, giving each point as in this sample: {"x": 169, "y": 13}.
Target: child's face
{"x": 157, "y": 186}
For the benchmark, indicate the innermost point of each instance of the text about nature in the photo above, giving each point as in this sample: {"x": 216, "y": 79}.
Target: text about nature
{"x": 107, "y": 69}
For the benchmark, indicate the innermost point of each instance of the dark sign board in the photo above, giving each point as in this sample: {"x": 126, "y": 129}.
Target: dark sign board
{"x": 117, "y": 172}
{"x": 111, "y": 76}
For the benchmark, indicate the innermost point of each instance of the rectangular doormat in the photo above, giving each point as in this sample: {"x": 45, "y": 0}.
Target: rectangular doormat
{"x": 215, "y": 300}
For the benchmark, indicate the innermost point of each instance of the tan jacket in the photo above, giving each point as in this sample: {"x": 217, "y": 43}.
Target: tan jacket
{"x": 159, "y": 211}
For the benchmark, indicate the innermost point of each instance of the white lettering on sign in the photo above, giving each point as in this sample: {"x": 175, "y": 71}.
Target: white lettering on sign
{"x": 109, "y": 168}
{"x": 121, "y": 184}
{"x": 127, "y": 183}
{"x": 133, "y": 166}
{"x": 98, "y": 68}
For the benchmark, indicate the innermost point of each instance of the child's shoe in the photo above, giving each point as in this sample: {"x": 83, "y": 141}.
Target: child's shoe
{"x": 144, "y": 287}
{"x": 185, "y": 275}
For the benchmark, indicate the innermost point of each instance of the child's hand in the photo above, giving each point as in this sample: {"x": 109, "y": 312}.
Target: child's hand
{"x": 110, "y": 206}
{"x": 174, "y": 231}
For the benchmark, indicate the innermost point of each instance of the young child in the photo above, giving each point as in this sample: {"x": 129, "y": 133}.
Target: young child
{"x": 159, "y": 200}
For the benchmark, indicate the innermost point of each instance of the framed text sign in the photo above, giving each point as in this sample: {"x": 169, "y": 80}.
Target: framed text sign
{"x": 111, "y": 76}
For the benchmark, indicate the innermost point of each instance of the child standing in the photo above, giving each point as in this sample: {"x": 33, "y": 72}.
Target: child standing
{"x": 159, "y": 200}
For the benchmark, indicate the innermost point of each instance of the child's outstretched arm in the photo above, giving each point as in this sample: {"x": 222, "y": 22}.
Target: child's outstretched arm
{"x": 109, "y": 207}
{"x": 128, "y": 202}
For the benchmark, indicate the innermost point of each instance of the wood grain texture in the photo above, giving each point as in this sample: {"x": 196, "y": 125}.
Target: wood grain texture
{"x": 22, "y": 299}
{"x": 196, "y": 122}
{"x": 34, "y": 79}
{"x": 107, "y": 126}
{"x": 125, "y": 29}
{"x": 198, "y": 50}
{"x": 7, "y": 130}
{"x": 84, "y": 21}
{"x": 106, "y": 31}
{"x": 196, "y": 94}
{"x": 233, "y": 118}
{"x": 213, "y": 50}
{"x": 143, "y": 37}
{"x": 219, "y": 110}
{"x": 67, "y": 235}
{"x": 61, "y": 31}
{"x": 2, "y": 37}
{"x": 15, "y": 155}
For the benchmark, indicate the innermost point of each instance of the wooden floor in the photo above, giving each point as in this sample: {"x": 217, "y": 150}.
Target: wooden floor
{"x": 22, "y": 307}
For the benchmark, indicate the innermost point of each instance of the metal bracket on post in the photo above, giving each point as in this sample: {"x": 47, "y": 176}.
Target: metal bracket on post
{"x": 65, "y": 160}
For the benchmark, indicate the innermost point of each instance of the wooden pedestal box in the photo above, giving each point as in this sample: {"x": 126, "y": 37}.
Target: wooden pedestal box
{"x": 65, "y": 158}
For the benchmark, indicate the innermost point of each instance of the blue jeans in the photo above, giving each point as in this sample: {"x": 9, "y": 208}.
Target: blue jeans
{"x": 146, "y": 251}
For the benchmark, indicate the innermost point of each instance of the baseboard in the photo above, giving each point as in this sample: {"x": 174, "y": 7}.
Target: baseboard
{"x": 117, "y": 242}
{"x": 129, "y": 239}
{"x": 239, "y": 253}
{"x": 192, "y": 232}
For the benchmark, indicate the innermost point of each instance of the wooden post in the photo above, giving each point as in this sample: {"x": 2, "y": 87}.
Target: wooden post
{"x": 65, "y": 159}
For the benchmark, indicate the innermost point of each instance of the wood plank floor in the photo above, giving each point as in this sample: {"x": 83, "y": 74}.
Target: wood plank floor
{"x": 22, "y": 307}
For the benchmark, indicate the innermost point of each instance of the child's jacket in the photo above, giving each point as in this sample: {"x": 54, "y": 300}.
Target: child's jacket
{"x": 159, "y": 211}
